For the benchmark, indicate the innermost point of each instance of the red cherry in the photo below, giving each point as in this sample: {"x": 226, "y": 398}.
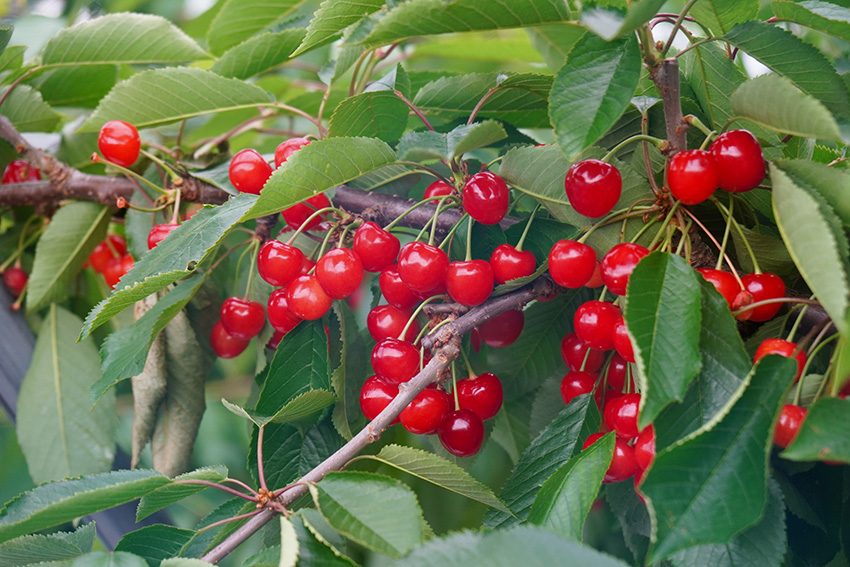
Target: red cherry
{"x": 249, "y": 171}
{"x": 782, "y": 348}
{"x": 396, "y": 291}
{"x": 119, "y": 143}
{"x": 426, "y": 412}
{"x": 20, "y": 171}
{"x": 375, "y": 395}
{"x": 279, "y": 263}
{"x": 593, "y": 187}
{"x": 103, "y": 252}
{"x": 618, "y": 368}
{"x": 764, "y": 286}
{"x": 224, "y": 345}
{"x": 621, "y": 415}
{"x": 508, "y": 263}
{"x": 277, "y": 336}
{"x": 159, "y": 232}
{"x": 788, "y": 425}
{"x": 724, "y": 282}
{"x": 692, "y": 176}
{"x": 306, "y": 298}
{"x": 596, "y": 278}
{"x": 339, "y": 272}
{"x": 645, "y": 447}
{"x": 571, "y": 263}
{"x": 280, "y": 315}
{"x": 287, "y": 148}
{"x": 388, "y": 321}
{"x": 242, "y": 318}
{"x": 469, "y": 282}
{"x": 461, "y": 433}
{"x": 740, "y": 162}
{"x": 574, "y": 353}
{"x": 297, "y": 215}
{"x": 605, "y": 396}
{"x": 116, "y": 268}
{"x": 486, "y": 197}
{"x": 16, "y": 280}
{"x": 376, "y": 247}
{"x": 743, "y": 299}
{"x": 438, "y": 188}
{"x": 395, "y": 361}
{"x": 481, "y": 394}
{"x": 503, "y": 329}
{"x": 618, "y": 264}
{"x": 623, "y": 464}
{"x": 594, "y": 323}
{"x": 576, "y": 383}
{"x": 422, "y": 266}
{"x": 622, "y": 341}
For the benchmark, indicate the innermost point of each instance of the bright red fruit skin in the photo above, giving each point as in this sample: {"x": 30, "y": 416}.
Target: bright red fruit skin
{"x": 424, "y": 414}
{"x": 692, "y": 176}
{"x": 395, "y": 361}
{"x": 724, "y": 282}
{"x": 116, "y": 268}
{"x": 593, "y": 187}
{"x": 576, "y": 383}
{"x": 623, "y": 464}
{"x": 376, "y": 247}
{"x": 280, "y": 315}
{"x": 469, "y": 282}
{"x": 102, "y": 253}
{"x": 297, "y": 215}
{"x": 438, "y": 188}
{"x": 618, "y": 264}
{"x": 287, "y": 148}
{"x": 574, "y": 351}
{"x": 618, "y": 368}
{"x": 788, "y": 425}
{"x": 159, "y": 232}
{"x": 622, "y": 341}
{"x": 15, "y": 279}
{"x": 279, "y": 263}
{"x": 621, "y": 415}
{"x": 339, "y": 272}
{"x": 20, "y": 171}
{"x": 482, "y": 394}
{"x": 764, "y": 286}
{"x": 645, "y": 447}
{"x": 508, "y": 263}
{"x": 782, "y": 348}
{"x": 502, "y": 330}
{"x": 596, "y": 279}
{"x": 740, "y": 162}
{"x": 306, "y": 298}
{"x": 242, "y": 318}
{"x": 594, "y": 323}
{"x": 224, "y": 345}
{"x": 388, "y": 321}
{"x": 486, "y": 197}
{"x": 461, "y": 433}
{"x": 375, "y": 395}
{"x": 249, "y": 171}
{"x": 119, "y": 143}
{"x": 422, "y": 266}
{"x": 396, "y": 291}
{"x": 571, "y": 263}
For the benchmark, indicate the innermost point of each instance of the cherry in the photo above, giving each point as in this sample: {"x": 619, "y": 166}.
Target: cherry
{"x": 596, "y": 278}
{"x": 119, "y": 143}
{"x": 618, "y": 369}
{"x": 376, "y": 247}
{"x": 395, "y": 361}
{"x": 481, "y": 394}
{"x": 279, "y": 263}
{"x": 764, "y": 286}
{"x": 20, "y": 171}
{"x": 306, "y": 298}
{"x": 740, "y": 162}
{"x": 422, "y": 266}
{"x": 102, "y": 253}
{"x": 782, "y": 348}
{"x": 576, "y": 383}
{"x": 618, "y": 264}
{"x": 724, "y": 282}
{"x": 242, "y": 318}
{"x": 503, "y": 329}
{"x": 622, "y": 341}
{"x": 623, "y": 464}
{"x": 375, "y": 395}
{"x": 297, "y": 215}
{"x": 249, "y": 171}
{"x": 571, "y": 263}
{"x": 743, "y": 299}
{"x": 287, "y": 148}
{"x": 116, "y": 268}
{"x": 388, "y": 321}
{"x": 593, "y": 187}
{"x": 469, "y": 282}
{"x": 396, "y": 291}
{"x": 280, "y": 315}
{"x": 486, "y": 197}
{"x": 16, "y": 280}
{"x": 594, "y": 323}
{"x": 461, "y": 433}
{"x": 790, "y": 419}
{"x": 225, "y": 345}
{"x": 605, "y": 396}
{"x": 508, "y": 263}
{"x": 277, "y": 336}
{"x": 424, "y": 414}
{"x": 621, "y": 415}
{"x": 439, "y": 188}
{"x": 159, "y": 232}
{"x": 692, "y": 176}
{"x": 339, "y": 272}
{"x": 645, "y": 447}
{"x": 574, "y": 353}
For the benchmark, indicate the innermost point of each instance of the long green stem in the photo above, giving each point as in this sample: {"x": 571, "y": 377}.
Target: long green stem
{"x": 307, "y": 221}
{"x": 724, "y": 210}
{"x": 659, "y": 143}
{"x": 469, "y": 239}
{"x": 451, "y": 233}
{"x": 722, "y": 252}
{"x": 525, "y": 230}
{"x": 412, "y": 318}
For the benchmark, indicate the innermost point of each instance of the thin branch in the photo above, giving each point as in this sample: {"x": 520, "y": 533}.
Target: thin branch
{"x": 666, "y": 78}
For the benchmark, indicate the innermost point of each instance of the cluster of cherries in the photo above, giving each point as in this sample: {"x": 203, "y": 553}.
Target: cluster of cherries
{"x": 110, "y": 259}
{"x": 18, "y": 171}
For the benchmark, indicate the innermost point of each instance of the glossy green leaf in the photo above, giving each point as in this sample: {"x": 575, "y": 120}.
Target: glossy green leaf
{"x": 373, "y": 114}
{"x": 155, "y": 543}
{"x": 258, "y": 54}
{"x": 60, "y": 435}
{"x": 830, "y": 184}
{"x": 825, "y": 434}
{"x": 713, "y": 484}
{"x": 347, "y": 501}
{"x": 592, "y": 90}
{"x": 720, "y": 16}
{"x": 663, "y": 315}
{"x": 237, "y": 20}
{"x": 121, "y": 38}
{"x": 350, "y": 368}
{"x": 553, "y": 447}
{"x": 616, "y": 19}
{"x": 564, "y": 500}
{"x": 110, "y": 559}
{"x": 433, "y": 146}
{"x": 175, "y": 491}
{"x": 55, "y": 503}
{"x": 62, "y": 250}
{"x": 289, "y": 546}
{"x": 827, "y": 17}
{"x": 175, "y": 257}
{"x": 27, "y": 111}
{"x": 332, "y": 17}
{"x": 161, "y": 96}
{"x": 37, "y": 548}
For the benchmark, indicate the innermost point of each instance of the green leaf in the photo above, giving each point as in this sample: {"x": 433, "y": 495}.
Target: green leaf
{"x": 592, "y": 90}
{"x": 789, "y": 56}
{"x": 609, "y": 22}
{"x": 826, "y": 17}
{"x": 558, "y": 443}
{"x": 31, "y": 549}
{"x": 175, "y": 257}
{"x": 62, "y": 250}
{"x": 6, "y": 32}
{"x": 12, "y": 58}
{"x": 59, "y": 433}
{"x": 183, "y": 562}
{"x": 816, "y": 242}
{"x": 121, "y": 38}
{"x": 554, "y": 42}
{"x": 301, "y": 406}
{"x": 564, "y": 500}
{"x": 237, "y": 20}
{"x": 332, "y": 17}
{"x": 256, "y": 418}
{"x": 830, "y": 184}
{"x": 347, "y": 501}
{"x": 175, "y": 492}
{"x": 178, "y": 92}
{"x": 825, "y": 434}
{"x": 350, "y": 368}
{"x": 774, "y": 103}
{"x": 155, "y": 543}
{"x": 317, "y": 167}
{"x": 59, "y": 502}
{"x": 720, "y": 15}
{"x": 433, "y": 146}
{"x": 77, "y": 86}
{"x": 372, "y": 114}
{"x": 712, "y": 485}
{"x": 27, "y": 111}
{"x": 109, "y": 559}
{"x": 258, "y": 54}
{"x": 289, "y": 545}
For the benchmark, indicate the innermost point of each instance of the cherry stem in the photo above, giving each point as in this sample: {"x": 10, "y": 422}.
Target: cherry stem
{"x": 23, "y": 244}
{"x": 252, "y": 250}
{"x": 412, "y": 318}
{"x": 228, "y": 253}
{"x": 175, "y": 215}
{"x": 415, "y": 110}
{"x": 433, "y": 236}
{"x": 345, "y": 232}
{"x": 469, "y": 224}
{"x": 722, "y": 253}
{"x": 454, "y": 384}
{"x": 694, "y": 121}
{"x": 323, "y": 247}
{"x": 659, "y": 143}
{"x": 260, "y": 469}
{"x": 728, "y": 213}
{"x": 714, "y": 241}
{"x": 306, "y": 222}
{"x": 452, "y": 231}
{"x": 242, "y": 484}
{"x": 826, "y": 378}
{"x": 686, "y": 230}
{"x": 99, "y": 158}
{"x": 481, "y": 102}
{"x": 667, "y": 218}
{"x": 525, "y": 230}
{"x": 367, "y": 72}
{"x": 316, "y": 122}
{"x": 219, "y": 486}
{"x": 469, "y": 369}
{"x": 797, "y": 322}
{"x": 171, "y": 173}
{"x": 404, "y": 213}
{"x": 817, "y": 345}
{"x": 228, "y": 520}
{"x": 694, "y": 45}
{"x": 676, "y": 25}
{"x": 617, "y": 216}
{"x": 776, "y": 300}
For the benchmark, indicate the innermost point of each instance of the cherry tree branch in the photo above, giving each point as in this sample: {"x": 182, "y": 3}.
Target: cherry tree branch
{"x": 666, "y": 78}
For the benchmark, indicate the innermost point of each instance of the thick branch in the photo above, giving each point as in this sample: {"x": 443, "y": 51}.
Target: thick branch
{"x": 666, "y": 78}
